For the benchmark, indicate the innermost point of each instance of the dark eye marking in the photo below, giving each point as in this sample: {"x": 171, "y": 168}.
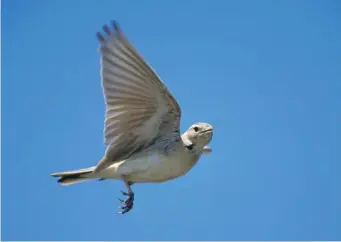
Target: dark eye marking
{"x": 196, "y": 129}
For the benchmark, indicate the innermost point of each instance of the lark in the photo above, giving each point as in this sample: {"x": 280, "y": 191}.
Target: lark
{"x": 142, "y": 123}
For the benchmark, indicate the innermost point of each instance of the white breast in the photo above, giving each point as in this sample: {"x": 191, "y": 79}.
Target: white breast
{"x": 153, "y": 166}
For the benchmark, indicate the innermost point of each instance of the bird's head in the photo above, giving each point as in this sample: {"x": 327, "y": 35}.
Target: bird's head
{"x": 198, "y": 136}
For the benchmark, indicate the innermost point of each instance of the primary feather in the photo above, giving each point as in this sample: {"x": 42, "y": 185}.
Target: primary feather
{"x": 139, "y": 108}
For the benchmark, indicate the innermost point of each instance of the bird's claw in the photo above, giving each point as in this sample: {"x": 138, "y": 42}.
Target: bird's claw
{"x": 128, "y": 203}
{"x": 125, "y": 193}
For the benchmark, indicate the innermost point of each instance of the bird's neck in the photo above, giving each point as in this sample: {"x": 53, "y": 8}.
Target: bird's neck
{"x": 190, "y": 146}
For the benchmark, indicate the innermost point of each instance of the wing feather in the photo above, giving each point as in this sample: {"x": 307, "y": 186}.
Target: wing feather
{"x": 139, "y": 108}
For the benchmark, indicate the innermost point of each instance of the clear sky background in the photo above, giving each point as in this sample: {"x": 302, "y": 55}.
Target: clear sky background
{"x": 265, "y": 74}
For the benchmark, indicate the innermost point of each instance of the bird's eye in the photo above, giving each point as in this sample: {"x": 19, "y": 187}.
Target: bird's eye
{"x": 196, "y": 129}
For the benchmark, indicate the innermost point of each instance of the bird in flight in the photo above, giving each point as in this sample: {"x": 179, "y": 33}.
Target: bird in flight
{"x": 142, "y": 123}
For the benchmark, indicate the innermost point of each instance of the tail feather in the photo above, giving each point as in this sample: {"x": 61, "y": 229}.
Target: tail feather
{"x": 72, "y": 177}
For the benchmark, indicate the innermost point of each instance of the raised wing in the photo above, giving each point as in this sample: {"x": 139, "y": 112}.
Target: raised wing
{"x": 139, "y": 108}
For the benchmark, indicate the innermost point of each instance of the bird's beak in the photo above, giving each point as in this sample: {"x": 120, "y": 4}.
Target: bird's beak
{"x": 207, "y": 150}
{"x": 207, "y": 130}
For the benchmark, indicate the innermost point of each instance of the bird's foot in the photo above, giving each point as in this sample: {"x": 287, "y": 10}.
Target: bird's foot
{"x": 128, "y": 203}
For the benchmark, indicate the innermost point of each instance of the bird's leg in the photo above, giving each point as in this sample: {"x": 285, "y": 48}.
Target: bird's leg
{"x": 129, "y": 202}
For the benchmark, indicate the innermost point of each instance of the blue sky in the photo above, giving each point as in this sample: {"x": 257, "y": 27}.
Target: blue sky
{"x": 265, "y": 74}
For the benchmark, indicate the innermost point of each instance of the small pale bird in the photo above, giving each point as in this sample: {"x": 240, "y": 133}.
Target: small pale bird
{"x": 142, "y": 122}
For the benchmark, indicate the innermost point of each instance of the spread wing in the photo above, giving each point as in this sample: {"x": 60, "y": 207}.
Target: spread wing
{"x": 139, "y": 108}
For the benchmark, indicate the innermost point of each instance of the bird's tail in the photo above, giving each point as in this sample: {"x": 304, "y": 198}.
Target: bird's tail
{"x": 72, "y": 177}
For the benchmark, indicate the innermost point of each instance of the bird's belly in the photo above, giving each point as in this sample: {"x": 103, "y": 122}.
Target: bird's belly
{"x": 154, "y": 167}
{"x": 158, "y": 173}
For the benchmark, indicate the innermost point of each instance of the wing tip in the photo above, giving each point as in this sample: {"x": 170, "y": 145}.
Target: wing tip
{"x": 116, "y": 30}
{"x": 115, "y": 25}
